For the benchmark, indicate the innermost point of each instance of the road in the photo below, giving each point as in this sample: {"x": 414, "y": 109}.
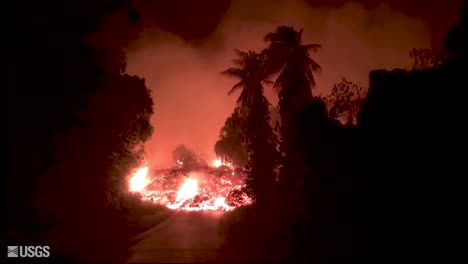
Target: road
{"x": 185, "y": 237}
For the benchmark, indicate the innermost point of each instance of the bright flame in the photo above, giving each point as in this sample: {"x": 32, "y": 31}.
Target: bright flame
{"x": 208, "y": 190}
{"x": 217, "y": 163}
{"x": 188, "y": 190}
{"x": 220, "y": 201}
{"x": 139, "y": 181}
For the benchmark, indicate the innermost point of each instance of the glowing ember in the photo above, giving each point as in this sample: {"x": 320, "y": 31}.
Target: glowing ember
{"x": 139, "y": 181}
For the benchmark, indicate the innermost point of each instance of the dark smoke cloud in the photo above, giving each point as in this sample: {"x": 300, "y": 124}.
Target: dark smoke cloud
{"x": 191, "y": 101}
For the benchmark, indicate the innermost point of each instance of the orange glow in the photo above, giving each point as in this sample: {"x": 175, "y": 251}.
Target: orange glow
{"x": 188, "y": 190}
{"x": 217, "y": 163}
{"x": 139, "y": 180}
{"x": 217, "y": 190}
{"x": 220, "y": 201}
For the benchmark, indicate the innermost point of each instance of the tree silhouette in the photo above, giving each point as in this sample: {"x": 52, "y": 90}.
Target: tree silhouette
{"x": 287, "y": 55}
{"x": 392, "y": 186}
{"x": 433, "y": 56}
{"x": 73, "y": 139}
{"x": 231, "y": 143}
{"x": 187, "y": 158}
{"x": 259, "y": 137}
{"x": 345, "y": 101}
{"x": 275, "y": 121}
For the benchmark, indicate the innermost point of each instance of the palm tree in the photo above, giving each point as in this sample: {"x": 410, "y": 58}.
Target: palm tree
{"x": 259, "y": 136}
{"x": 290, "y": 58}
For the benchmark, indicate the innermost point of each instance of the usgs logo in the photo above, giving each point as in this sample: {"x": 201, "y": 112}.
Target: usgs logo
{"x": 28, "y": 251}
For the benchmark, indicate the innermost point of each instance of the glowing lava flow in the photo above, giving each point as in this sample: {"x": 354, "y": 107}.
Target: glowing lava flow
{"x": 217, "y": 188}
{"x": 188, "y": 190}
{"x": 191, "y": 198}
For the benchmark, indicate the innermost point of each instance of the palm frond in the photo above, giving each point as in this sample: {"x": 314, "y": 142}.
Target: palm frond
{"x": 241, "y": 54}
{"x": 313, "y": 47}
{"x": 314, "y": 65}
{"x": 285, "y": 46}
{"x": 251, "y": 73}
{"x": 299, "y": 35}
{"x": 239, "y": 62}
{"x": 310, "y": 76}
{"x": 233, "y": 72}
{"x": 271, "y": 37}
{"x": 268, "y": 82}
{"x": 236, "y": 86}
{"x": 282, "y": 78}
{"x": 243, "y": 97}
{"x": 282, "y": 34}
{"x": 273, "y": 63}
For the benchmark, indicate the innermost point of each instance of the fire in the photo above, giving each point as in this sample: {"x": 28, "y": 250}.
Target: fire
{"x": 220, "y": 201}
{"x": 139, "y": 181}
{"x": 217, "y": 163}
{"x": 188, "y": 190}
{"x": 202, "y": 190}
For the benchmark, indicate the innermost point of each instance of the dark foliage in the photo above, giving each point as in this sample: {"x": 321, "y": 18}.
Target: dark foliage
{"x": 289, "y": 57}
{"x": 390, "y": 189}
{"x": 187, "y": 159}
{"x": 231, "y": 145}
{"x": 345, "y": 101}
{"x": 260, "y": 140}
{"x": 261, "y": 146}
{"x": 72, "y": 119}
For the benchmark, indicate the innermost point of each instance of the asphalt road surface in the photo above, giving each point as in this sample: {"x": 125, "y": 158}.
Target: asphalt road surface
{"x": 185, "y": 237}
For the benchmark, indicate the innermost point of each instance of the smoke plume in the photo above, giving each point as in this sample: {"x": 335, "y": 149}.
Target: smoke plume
{"x": 191, "y": 102}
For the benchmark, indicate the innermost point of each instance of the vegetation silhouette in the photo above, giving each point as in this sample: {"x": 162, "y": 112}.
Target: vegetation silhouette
{"x": 288, "y": 56}
{"x": 75, "y": 125}
{"x": 260, "y": 140}
{"x": 231, "y": 143}
{"x": 345, "y": 101}
{"x": 389, "y": 187}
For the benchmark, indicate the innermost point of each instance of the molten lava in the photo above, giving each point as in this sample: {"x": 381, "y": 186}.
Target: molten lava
{"x": 188, "y": 190}
{"x": 214, "y": 188}
{"x": 217, "y": 163}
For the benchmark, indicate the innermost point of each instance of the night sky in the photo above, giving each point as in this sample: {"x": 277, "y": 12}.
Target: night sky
{"x": 115, "y": 109}
{"x": 180, "y": 48}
